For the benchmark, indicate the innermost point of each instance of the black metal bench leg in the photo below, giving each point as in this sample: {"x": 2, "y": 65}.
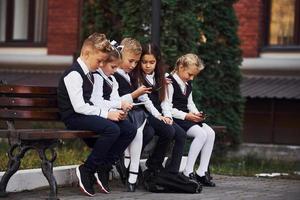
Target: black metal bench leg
{"x": 13, "y": 166}
{"x": 47, "y": 169}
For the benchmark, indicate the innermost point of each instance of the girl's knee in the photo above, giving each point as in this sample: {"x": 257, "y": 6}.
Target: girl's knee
{"x": 211, "y": 134}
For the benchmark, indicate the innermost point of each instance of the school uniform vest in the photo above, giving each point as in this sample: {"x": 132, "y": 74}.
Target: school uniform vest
{"x": 124, "y": 86}
{"x": 179, "y": 99}
{"x": 64, "y": 103}
{"x": 106, "y": 89}
{"x": 154, "y": 95}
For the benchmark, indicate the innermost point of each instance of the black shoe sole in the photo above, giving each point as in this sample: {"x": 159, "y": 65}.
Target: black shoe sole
{"x": 80, "y": 183}
{"x": 102, "y": 188}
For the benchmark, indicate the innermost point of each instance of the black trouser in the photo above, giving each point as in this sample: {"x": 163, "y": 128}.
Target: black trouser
{"x": 166, "y": 134}
{"x": 114, "y": 138}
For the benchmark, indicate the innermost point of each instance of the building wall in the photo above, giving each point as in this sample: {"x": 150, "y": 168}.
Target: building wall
{"x": 249, "y": 14}
{"x": 63, "y": 26}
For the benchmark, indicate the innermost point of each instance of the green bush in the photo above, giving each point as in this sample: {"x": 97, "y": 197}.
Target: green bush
{"x": 217, "y": 90}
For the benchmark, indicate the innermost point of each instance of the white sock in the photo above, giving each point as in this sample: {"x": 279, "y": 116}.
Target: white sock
{"x": 206, "y": 150}
{"x": 135, "y": 149}
{"x": 126, "y": 157}
{"x": 199, "y": 136}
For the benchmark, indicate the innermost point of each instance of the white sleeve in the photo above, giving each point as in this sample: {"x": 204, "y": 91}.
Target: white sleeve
{"x": 73, "y": 82}
{"x": 166, "y": 106}
{"x": 178, "y": 114}
{"x": 191, "y": 105}
{"x": 97, "y": 94}
{"x": 115, "y": 99}
{"x": 149, "y": 105}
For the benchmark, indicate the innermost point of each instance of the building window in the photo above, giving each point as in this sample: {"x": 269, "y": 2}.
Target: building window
{"x": 23, "y": 22}
{"x": 282, "y": 24}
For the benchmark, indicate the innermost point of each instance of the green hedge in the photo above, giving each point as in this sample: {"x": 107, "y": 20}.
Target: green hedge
{"x": 205, "y": 27}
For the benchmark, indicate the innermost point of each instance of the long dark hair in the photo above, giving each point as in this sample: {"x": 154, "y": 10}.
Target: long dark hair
{"x": 159, "y": 70}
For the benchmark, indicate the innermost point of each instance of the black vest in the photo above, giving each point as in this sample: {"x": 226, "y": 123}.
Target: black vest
{"x": 64, "y": 104}
{"x": 124, "y": 86}
{"x": 179, "y": 99}
{"x": 154, "y": 95}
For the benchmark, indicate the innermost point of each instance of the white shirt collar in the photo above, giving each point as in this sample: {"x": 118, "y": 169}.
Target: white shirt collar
{"x": 179, "y": 81}
{"x": 104, "y": 75}
{"x": 150, "y": 78}
{"x": 124, "y": 74}
{"x": 83, "y": 66}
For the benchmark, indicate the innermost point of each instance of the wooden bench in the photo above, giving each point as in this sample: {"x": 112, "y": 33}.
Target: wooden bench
{"x": 35, "y": 103}
{"x": 32, "y": 103}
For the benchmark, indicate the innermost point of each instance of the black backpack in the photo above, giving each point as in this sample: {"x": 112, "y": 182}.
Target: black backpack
{"x": 169, "y": 183}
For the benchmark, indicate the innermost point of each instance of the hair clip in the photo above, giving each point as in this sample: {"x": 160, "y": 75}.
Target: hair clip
{"x": 116, "y": 46}
{"x": 113, "y": 42}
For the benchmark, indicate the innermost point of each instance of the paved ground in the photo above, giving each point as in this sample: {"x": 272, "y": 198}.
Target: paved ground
{"x": 228, "y": 188}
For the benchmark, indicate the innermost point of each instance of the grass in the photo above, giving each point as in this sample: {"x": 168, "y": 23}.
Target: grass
{"x": 251, "y": 165}
{"x": 68, "y": 153}
{"x": 75, "y": 152}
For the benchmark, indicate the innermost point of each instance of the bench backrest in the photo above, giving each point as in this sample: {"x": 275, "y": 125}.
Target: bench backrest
{"x": 28, "y": 103}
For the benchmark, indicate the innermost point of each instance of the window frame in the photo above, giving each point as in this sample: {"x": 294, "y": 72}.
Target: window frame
{"x": 29, "y": 42}
{"x": 266, "y": 30}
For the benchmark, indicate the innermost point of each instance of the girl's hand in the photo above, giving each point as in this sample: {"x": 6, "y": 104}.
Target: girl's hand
{"x": 192, "y": 117}
{"x": 168, "y": 80}
{"x": 126, "y": 106}
{"x": 201, "y": 115}
{"x": 123, "y": 115}
{"x": 168, "y": 120}
{"x": 115, "y": 115}
{"x": 140, "y": 91}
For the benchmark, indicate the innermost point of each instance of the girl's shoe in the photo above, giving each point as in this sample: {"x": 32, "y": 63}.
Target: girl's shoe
{"x": 131, "y": 186}
{"x": 205, "y": 180}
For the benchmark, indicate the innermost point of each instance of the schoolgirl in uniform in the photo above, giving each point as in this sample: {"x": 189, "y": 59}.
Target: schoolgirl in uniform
{"x": 186, "y": 115}
{"x": 151, "y": 73}
{"x": 129, "y": 92}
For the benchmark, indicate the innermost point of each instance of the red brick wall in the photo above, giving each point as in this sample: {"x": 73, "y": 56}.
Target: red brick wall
{"x": 249, "y": 13}
{"x": 63, "y": 26}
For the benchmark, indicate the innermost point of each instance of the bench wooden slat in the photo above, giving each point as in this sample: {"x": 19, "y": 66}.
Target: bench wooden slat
{"x": 28, "y": 115}
{"x": 41, "y": 134}
{"x": 20, "y": 89}
{"x": 27, "y": 102}
{"x": 219, "y": 129}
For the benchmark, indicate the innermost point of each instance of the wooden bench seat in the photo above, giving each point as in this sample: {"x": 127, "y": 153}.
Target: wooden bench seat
{"x": 31, "y": 104}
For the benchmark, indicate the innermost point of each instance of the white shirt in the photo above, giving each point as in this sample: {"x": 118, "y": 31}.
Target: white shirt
{"x": 150, "y": 78}
{"x": 114, "y": 101}
{"x": 73, "y": 82}
{"x": 165, "y": 105}
{"x": 143, "y": 98}
{"x": 191, "y": 105}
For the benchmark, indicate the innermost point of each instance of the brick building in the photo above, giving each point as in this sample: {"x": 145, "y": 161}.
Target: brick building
{"x": 270, "y": 35}
{"x": 45, "y": 34}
